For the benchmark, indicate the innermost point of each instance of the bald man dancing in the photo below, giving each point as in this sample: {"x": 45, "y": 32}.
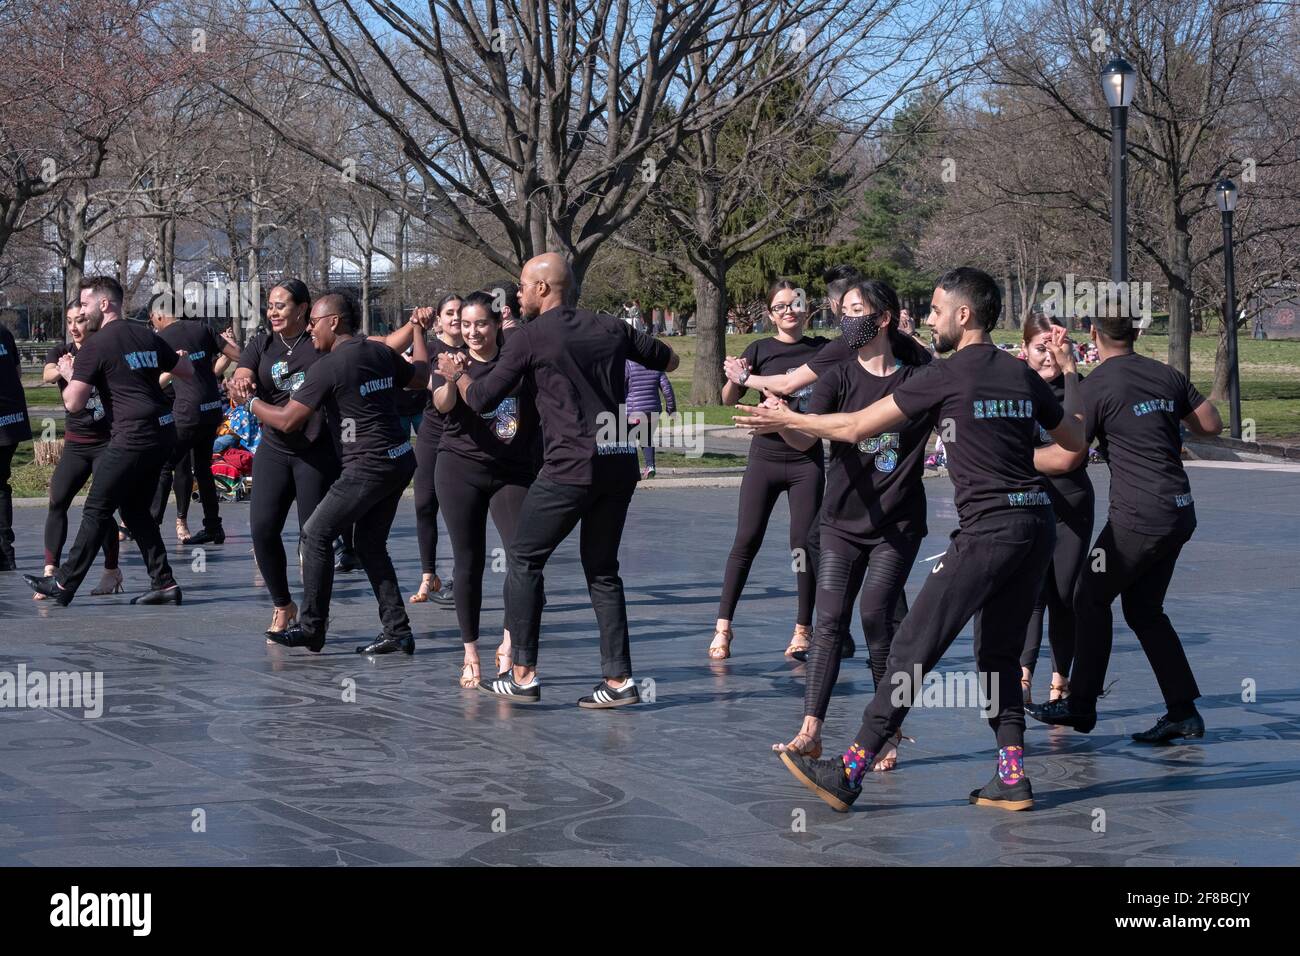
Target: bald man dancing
{"x": 575, "y": 360}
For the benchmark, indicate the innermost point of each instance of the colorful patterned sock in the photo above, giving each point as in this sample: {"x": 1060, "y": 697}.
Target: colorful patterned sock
{"x": 856, "y": 764}
{"x": 1011, "y": 764}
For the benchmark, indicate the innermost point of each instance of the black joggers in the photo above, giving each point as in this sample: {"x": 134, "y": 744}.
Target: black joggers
{"x": 1136, "y": 568}
{"x": 125, "y": 480}
{"x": 550, "y": 511}
{"x": 992, "y": 571}
{"x": 369, "y": 502}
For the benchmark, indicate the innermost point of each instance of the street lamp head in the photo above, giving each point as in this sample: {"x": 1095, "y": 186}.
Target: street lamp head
{"x": 1226, "y": 193}
{"x": 1118, "y": 81}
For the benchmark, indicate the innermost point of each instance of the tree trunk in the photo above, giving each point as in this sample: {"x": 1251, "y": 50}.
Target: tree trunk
{"x": 75, "y": 227}
{"x": 710, "y": 332}
{"x": 1180, "y": 294}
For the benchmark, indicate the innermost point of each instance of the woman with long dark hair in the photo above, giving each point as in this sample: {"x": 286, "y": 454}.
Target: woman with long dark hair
{"x": 785, "y": 462}
{"x": 1074, "y": 503}
{"x": 874, "y": 516}
{"x": 485, "y": 465}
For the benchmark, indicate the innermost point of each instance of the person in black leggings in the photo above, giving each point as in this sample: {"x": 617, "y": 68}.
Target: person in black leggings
{"x": 874, "y": 517}
{"x": 1074, "y": 502}
{"x": 485, "y": 463}
{"x": 197, "y": 408}
{"x": 288, "y": 467}
{"x": 85, "y": 436}
{"x": 784, "y": 462}
{"x": 14, "y": 428}
{"x": 447, "y": 337}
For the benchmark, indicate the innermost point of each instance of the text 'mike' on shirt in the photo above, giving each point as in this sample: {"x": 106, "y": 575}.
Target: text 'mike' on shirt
{"x": 1133, "y": 406}
{"x": 124, "y": 361}
{"x": 357, "y": 382}
{"x": 576, "y": 361}
{"x": 987, "y": 403}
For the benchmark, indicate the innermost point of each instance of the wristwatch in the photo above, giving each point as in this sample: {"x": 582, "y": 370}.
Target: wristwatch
{"x": 743, "y": 377}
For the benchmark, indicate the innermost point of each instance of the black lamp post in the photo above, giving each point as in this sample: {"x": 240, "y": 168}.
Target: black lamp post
{"x": 1226, "y": 193}
{"x": 1118, "y": 80}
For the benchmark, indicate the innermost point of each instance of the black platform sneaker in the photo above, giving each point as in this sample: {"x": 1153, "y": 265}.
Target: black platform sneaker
{"x": 995, "y": 793}
{"x": 604, "y": 696}
{"x": 1166, "y": 730}
{"x": 824, "y": 777}
{"x": 505, "y": 687}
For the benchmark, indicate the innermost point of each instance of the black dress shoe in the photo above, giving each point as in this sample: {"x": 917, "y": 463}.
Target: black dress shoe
{"x": 1166, "y": 730}
{"x": 847, "y": 650}
{"x": 1064, "y": 713}
{"x": 49, "y": 586}
{"x": 295, "y": 636}
{"x": 388, "y": 645}
{"x": 171, "y": 595}
{"x": 824, "y": 777}
{"x": 1004, "y": 796}
{"x": 207, "y": 537}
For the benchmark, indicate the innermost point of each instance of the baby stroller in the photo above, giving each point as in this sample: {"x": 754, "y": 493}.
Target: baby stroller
{"x": 232, "y": 470}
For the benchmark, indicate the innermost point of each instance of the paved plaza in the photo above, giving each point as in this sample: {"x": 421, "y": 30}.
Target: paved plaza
{"x": 214, "y": 748}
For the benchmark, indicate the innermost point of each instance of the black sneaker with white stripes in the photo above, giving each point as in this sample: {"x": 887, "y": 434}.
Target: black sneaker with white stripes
{"x": 505, "y": 687}
{"x": 604, "y": 695}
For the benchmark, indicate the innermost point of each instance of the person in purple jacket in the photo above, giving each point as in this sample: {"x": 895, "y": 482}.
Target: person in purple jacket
{"x": 643, "y": 388}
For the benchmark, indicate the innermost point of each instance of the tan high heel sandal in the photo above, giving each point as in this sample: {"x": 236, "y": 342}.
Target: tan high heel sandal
{"x": 110, "y": 583}
{"x": 504, "y": 662}
{"x": 282, "y": 616}
{"x": 720, "y": 652}
{"x": 1064, "y": 690}
{"x": 801, "y": 641}
{"x": 888, "y": 758}
{"x": 810, "y": 746}
{"x": 473, "y": 679}
{"x": 426, "y": 588}
{"x": 182, "y": 531}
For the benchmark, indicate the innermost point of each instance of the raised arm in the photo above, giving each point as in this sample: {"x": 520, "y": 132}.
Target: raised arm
{"x": 848, "y": 427}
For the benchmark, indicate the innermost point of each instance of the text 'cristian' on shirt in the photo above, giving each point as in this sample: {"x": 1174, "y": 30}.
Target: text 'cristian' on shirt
{"x": 874, "y": 486}
{"x": 1134, "y": 407}
{"x": 500, "y": 439}
{"x": 987, "y": 404}
{"x": 279, "y": 368}
{"x": 357, "y": 381}
{"x": 771, "y": 356}
{"x": 575, "y": 361}
{"x": 124, "y": 361}
{"x": 198, "y": 400}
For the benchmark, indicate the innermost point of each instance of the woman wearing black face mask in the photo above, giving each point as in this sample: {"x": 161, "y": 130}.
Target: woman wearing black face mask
{"x": 873, "y": 519}
{"x": 786, "y": 462}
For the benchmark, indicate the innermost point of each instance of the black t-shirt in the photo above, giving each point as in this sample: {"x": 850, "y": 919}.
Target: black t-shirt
{"x": 771, "y": 356}
{"x": 987, "y": 402}
{"x": 431, "y": 425}
{"x": 91, "y": 425}
{"x": 575, "y": 362}
{"x": 124, "y": 360}
{"x": 1134, "y": 405}
{"x": 198, "y": 401}
{"x": 502, "y": 438}
{"x": 14, "y": 426}
{"x": 874, "y": 487}
{"x": 1074, "y": 487}
{"x": 358, "y": 382}
{"x": 279, "y": 370}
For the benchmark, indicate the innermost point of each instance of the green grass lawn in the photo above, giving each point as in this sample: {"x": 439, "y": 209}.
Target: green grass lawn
{"x": 1270, "y": 377}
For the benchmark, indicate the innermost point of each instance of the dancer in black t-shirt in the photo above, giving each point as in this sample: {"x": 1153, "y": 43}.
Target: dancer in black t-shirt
{"x": 197, "y": 408}
{"x": 1133, "y": 407}
{"x": 785, "y": 462}
{"x": 289, "y": 467}
{"x": 14, "y": 428}
{"x": 485, "y": 465}
{"x": 123, "y": 362}
{"x": 995, "y": 560}
{"x": 85, "y": 438}
{"x": 874, "y": 517}
{"x": 574, "y": 360}
{"x": 356, "y": 381}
